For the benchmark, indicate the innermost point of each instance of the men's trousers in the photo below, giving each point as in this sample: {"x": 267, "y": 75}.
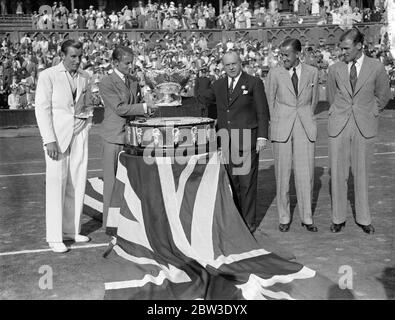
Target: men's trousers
{"x": 65, "y": 188}
{"x": 299, "y": 150}
{"x": 110, "y": 163}
{"x": 243, "y": 174}
{"x": 350, "y": 147}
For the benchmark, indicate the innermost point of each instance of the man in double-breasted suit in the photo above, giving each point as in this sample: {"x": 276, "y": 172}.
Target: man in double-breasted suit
{"x": 61, "y": 90}
{"x": 357, "y": 90}
{"x": 242, "y": 120}
{"x": 292, "y": 92}
{"x": 122, "y": 100}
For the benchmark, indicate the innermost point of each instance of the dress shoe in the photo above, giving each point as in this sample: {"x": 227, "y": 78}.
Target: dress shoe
{"x": 310, "y": 227}
{"x": 367, "y": 229}
{"x": 76, "y": 237}
{"x": 284, "y": 227}
{"x": 58, "y": 247}
{"x": 337, "y": 227}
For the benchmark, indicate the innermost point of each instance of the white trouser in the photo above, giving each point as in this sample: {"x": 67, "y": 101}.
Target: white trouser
{"x": 65, "y": 188}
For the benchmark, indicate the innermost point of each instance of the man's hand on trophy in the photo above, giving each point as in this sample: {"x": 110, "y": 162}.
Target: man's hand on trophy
{"x": 151, "y": 107}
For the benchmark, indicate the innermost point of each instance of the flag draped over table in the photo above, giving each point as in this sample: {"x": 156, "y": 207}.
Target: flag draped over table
{"x": 178, "y": 235}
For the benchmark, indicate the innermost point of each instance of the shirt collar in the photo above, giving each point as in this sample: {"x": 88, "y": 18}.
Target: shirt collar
{"x": 298, "y": 68}
{"x": 119, "y": 74}
{"x": 359, "y": 61}
{"x": 63, "y": 68}
{"x": 236, "y": 78}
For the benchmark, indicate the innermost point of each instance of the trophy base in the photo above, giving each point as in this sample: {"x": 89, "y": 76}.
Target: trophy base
{"x": 168, "y": 104}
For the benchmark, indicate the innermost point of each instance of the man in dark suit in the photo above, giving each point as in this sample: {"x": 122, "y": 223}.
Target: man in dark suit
{"x": 122, "y": 100}
{"x": 357, "y": 89}
{"x": 243, "y": 117}
{"x": 202, "y": 83}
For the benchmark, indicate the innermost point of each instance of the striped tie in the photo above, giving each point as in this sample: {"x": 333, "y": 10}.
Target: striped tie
{"x": 230, "y": 89}
{"x": 353, "y": 76}
{"x": 294, "y": 79}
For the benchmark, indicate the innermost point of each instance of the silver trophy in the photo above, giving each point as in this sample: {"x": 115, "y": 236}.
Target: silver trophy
{"x": 167, "y": 85}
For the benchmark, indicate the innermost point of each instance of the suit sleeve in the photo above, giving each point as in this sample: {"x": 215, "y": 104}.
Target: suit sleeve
{"x": 316, "y": 90}
{"x": 117, "y": 103}
{"x": 331, "y": 86}
{"x": 271, "y": 90}
{"x": 208, "y": 95}
{"x": 262, "y": 109}
{"x": 382, "y": 88}
{"x": 43, "y": 108}
{"x": 196, "y": 87}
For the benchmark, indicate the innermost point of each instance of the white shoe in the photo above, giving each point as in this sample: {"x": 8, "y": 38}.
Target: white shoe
{"x": 76, "y": 238}
{"x": 58, "y": 247}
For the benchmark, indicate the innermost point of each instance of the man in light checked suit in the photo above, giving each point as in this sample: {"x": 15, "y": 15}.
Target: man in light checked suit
{"x": 292, "y": 92}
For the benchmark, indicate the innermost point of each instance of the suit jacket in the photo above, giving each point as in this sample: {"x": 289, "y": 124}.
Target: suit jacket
{"x": 54, "y": 104}
{"x": 247, "y": 108}
{"x": 285, "y": 106}
{"x": 120, "y": 104}
{"x": 372, "y": 93}
{"x": 201, "y": 85}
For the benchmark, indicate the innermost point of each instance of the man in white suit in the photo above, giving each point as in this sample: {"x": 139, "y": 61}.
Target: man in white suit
{"x": 61, "y": 90}
{"x": 357, "y": 88}
{"x": 292, "y": 92}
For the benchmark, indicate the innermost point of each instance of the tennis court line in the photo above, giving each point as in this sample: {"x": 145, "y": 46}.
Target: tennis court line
{"x": 88, "y": 246}
{"x": 99, "y": 170}
{"x": 33, "y": 161}
{"x": 36, "y": 174}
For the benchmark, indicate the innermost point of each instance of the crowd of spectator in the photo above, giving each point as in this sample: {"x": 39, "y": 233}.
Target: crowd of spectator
{"x": 22, "y": 62}
{"x": 202, "y": 15}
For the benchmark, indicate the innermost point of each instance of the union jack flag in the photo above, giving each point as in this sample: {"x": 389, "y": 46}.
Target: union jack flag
{"x": 178, "y": 235}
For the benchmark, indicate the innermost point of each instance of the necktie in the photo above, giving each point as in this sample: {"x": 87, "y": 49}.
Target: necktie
{"x": 294, "y": 79}
{"x": 353, "y": 76}
{"x": 127, "y": 82}
{"x": 230, "y": 89}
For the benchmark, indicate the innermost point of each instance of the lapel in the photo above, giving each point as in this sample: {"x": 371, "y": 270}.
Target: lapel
{"x": 304, "y": 76}
{"x": 120, "y": 84}
{"x": 80, "y": 85}
{"x": 65, "y": 80}
{"x": 287, "y": 80}
{"x": 133, "y": 88}
{"x": 363, "y": 74}
{"x": 345, "y": 77}
{"x": 243, "y": 80}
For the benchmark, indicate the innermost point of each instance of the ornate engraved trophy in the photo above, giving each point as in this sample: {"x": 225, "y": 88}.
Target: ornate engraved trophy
{"x": 167, "y": 84}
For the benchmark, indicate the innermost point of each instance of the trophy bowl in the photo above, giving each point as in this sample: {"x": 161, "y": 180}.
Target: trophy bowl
{"x": 170, "y": 93}
{"x": 167, "y": 85}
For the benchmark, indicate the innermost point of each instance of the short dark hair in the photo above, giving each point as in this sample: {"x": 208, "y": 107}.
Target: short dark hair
{"x": 354, "y": 34}
{"x": 70, "y": 43}
{"x": 294, "y": 43}
{"x": 120, "y": 52}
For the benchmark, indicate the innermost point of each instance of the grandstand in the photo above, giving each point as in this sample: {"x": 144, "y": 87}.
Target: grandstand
{"x": 15, "y": 21}
{"x": 307, "y": 28}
